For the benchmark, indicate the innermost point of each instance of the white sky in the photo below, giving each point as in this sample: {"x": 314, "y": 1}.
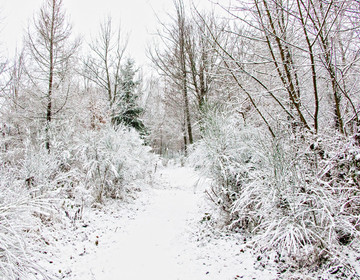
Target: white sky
{"x": 136, "y": 16}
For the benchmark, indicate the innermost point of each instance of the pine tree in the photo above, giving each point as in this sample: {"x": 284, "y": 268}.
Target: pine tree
{"x": 128, "y": 111}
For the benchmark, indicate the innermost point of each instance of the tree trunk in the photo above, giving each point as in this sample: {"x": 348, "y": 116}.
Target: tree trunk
{"x": 51, "y": 75}
{"x": 182, "y": 42}
{"x": 185, "y": 136}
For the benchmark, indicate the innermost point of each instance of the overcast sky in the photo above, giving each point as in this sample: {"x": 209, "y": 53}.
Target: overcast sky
{"x": 136, "y": 16}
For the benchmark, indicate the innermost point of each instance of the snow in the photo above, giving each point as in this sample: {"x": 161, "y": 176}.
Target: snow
{"x": 162, "y": 234}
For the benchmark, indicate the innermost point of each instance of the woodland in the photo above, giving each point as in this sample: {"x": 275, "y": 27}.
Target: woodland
{"x": 260, "y": 96}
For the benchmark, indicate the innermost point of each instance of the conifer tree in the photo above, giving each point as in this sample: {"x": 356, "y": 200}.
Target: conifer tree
{"x": 127, "y": 110}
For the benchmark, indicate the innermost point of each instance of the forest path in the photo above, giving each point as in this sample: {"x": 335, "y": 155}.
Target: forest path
{"x": 163, "y": 240}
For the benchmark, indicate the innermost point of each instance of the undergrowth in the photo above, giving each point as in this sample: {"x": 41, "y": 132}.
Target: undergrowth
{"x": 40, "y": 188}
{"x": 296, "y": 195}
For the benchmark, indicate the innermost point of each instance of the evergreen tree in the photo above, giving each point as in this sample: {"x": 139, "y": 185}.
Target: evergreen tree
{"x": 127, "y": 110}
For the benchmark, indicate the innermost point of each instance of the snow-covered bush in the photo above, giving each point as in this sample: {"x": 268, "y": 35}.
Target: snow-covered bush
{"x": 295, "y": 195}
{"x": 111, "y": 159}
{"x": 21, "y": 211}
{"x": 30, "y": 183}
{"x": 227, "y": 155}
{"x": 41, "y": 188}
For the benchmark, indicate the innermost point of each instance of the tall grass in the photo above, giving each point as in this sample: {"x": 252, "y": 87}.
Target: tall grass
{"x": 20, "y": 210}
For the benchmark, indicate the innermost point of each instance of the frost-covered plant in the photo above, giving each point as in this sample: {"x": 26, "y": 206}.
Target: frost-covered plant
{"x": 20, "y": 210}
{"x": 35, "y": 182}
{"x": 111, "y": 160}
{"x": 227, "y": 155}
{"x": 285, "y": 204}
{"x": 297, "y": 195}
{"x": 340, "y": 172}
{"x": 300, "y": 210}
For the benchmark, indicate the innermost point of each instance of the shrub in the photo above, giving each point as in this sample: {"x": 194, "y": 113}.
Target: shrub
{"x": 38, "y": 188}
{"x": 295, "y": 195}
{"x": 111, "y": 159}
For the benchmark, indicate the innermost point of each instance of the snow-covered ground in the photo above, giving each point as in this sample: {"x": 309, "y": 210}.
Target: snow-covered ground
{"x": 162, "y": 234}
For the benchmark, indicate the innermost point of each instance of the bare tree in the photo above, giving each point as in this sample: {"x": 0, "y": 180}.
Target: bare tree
{"x": 103, "y": 66}
{"x": 234, "y": 60}
{"x": 202, "y": 57}
{"x": 16, "y": 76}
{"x": 297, "y": 48}
{"x": 328, "y": 21}
{"x": 172, "y": 62}
{"x": 48, "y": 43}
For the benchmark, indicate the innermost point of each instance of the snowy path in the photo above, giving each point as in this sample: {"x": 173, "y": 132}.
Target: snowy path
{"x": 160, "y": 241}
